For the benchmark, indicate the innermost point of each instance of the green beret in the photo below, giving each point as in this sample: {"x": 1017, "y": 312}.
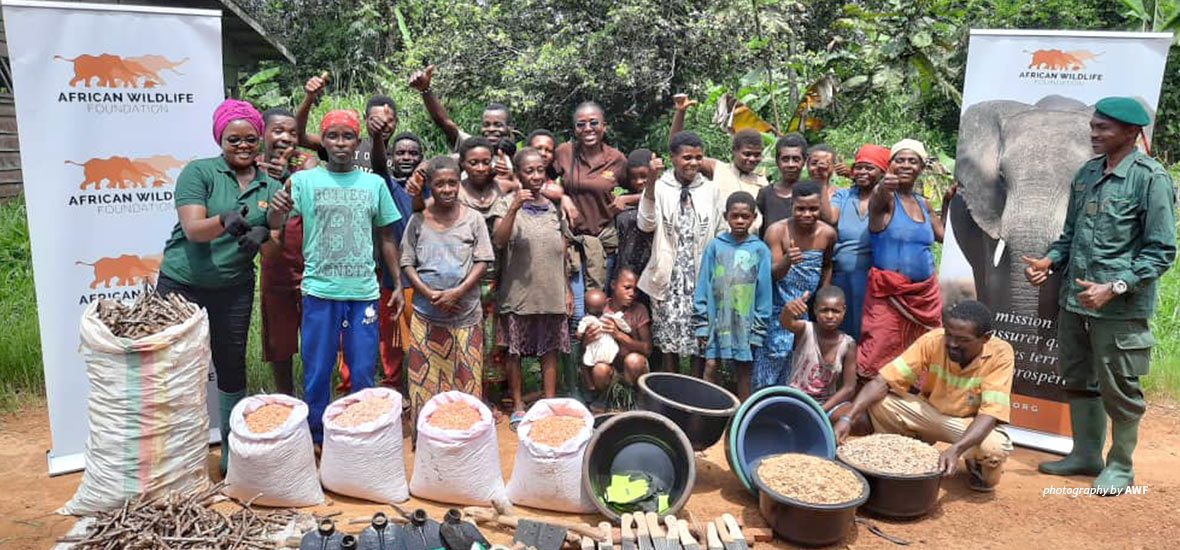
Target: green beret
{"x": 1123, "y": 109}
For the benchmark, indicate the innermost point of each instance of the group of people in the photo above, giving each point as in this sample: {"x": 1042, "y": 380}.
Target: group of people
{"x": 457, "y": 266}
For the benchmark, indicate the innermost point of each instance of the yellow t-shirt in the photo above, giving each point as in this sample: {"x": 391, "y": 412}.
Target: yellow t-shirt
{"x": 982, "y": 387}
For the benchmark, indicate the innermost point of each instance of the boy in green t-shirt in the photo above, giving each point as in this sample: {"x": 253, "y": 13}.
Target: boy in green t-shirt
{"x": 342, "y": 207}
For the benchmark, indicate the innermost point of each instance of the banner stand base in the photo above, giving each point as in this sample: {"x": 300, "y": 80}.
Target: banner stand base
{"x": 67, "y": 464}
{"x": 1042, "y": 441}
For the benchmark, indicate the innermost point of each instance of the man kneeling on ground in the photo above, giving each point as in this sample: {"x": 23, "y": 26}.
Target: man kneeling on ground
{"x": 964, "y": 399}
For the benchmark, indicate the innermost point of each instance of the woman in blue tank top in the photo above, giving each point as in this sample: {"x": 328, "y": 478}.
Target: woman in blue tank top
{"x": 902, "y": 300}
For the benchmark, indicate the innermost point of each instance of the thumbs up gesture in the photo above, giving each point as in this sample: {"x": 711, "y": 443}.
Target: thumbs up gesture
{"x": 841, "y": 167}
{"x": 798, "y": 307}
{"x": 316, "y": 84}
{"x": 794, "y": 252}
{"x": 421, "y": 80}
{"x": 1037, "y": 271}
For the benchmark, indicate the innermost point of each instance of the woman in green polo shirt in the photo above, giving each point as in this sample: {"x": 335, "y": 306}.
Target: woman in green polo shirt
{"x": 226, "y": 207}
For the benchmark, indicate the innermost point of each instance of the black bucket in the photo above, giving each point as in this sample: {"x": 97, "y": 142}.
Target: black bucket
{"x": 700, "y": 408}
{"x": 897, "y": 496}
{"x": 804, "y": 523}
{"x": 639, "y": 441}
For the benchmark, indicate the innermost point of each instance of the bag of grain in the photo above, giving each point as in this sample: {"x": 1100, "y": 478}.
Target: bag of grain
{"x": 548, "y": 469}
{"x": 149, "y": 428}
{"x": 362, "y": 455}
{"x": 457, "y": 459}
{"x": 271, "y": 455}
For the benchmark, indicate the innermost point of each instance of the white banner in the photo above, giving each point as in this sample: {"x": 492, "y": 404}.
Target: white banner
{"x": 111, "y": 102}
{"x": 1028, "y": 97}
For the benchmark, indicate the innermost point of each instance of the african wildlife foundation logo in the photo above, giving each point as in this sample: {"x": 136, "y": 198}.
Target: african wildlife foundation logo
{"x": 124, "y": 185}
{"x": 1057, "y": 65}
{"x": 124, "y": 172}
{"x": 130, "y": 271}
{"x": 108, "y": 83}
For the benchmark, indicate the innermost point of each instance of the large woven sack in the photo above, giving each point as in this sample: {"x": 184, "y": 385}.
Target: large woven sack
{"x": 457, "y": 466}
{"x": 277, "y": 467}
{"x": 548, "y": 477}
{"x": 365, "y": 461}
{"x": 149, "y": 428}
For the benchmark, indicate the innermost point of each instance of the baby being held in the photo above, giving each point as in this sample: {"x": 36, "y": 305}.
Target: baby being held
{"x": 604, "y": 348}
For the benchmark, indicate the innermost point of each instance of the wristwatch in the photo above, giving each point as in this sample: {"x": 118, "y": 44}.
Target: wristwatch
{"x": 1119, "y": 287}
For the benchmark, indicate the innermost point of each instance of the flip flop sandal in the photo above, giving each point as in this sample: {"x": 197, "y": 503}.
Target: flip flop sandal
{"x": 515, "y": 419}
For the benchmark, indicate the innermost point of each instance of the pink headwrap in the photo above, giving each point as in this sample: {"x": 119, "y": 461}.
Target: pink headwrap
{"x": 231, "y": 110}
{"x": 341, "y": 116}
{"x": 873, "y": 154}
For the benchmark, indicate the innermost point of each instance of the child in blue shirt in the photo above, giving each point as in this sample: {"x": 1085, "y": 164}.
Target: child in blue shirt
{"x": 732, "y": 301}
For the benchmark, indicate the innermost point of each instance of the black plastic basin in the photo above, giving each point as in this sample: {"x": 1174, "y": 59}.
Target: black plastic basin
{"x": 804, "y": 523}
{"x": 600, "y": 419}
{"x": 639, "y": 441}
{"x": 900, "y": 496}
{"x": 700, "y": 408}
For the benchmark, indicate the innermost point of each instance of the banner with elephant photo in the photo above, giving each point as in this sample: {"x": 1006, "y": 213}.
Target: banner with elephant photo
{"x": 1024, "y": 132}
{"x": 111, "y": 102}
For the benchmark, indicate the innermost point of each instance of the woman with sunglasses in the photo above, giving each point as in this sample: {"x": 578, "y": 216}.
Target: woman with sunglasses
{"x": 227, "y": 206}
{"x": 590, "y": 170}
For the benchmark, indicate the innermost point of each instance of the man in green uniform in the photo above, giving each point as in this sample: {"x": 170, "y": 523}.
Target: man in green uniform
{"x": 1119, "y": 238}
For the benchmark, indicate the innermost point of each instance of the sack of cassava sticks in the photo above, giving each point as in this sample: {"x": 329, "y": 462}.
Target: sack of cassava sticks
{"x": 148, "y": 366}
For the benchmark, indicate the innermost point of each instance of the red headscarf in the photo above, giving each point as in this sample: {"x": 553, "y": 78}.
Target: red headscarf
{"x": 873, "y": 154}
{"x": 341, "y": 116}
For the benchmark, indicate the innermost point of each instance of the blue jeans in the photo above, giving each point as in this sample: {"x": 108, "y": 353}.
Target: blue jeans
{"x": 327, "y": 326}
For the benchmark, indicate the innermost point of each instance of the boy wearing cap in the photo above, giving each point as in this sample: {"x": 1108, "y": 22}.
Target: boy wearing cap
{"x": 1118, "y": 239}
{"x": 342, "y": 207}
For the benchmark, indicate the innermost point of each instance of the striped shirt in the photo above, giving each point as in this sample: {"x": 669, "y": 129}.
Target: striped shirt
{"x": 982, "y": 387}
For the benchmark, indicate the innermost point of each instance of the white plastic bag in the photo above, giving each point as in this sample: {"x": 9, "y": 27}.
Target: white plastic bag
{"x": 365, "y": 461}
{"x": 457, "y": 466}
{"x": 550, "y": 478}
{"x": 275, "y": 468}
{"x": 149, "y": 428}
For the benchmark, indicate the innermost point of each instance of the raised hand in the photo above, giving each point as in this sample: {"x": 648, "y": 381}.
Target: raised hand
{"x": 681, "y": 102}
{"x": 889, "y": 181}
{"x": 1037, "y": 271}
{"x": 521, "y": 196}
{"x": 420, "y": 80}
{"x": 316, "y": 84}
{"x": 417, "y": 180}
{"x": 657, "y": 167}
{"x": 234, "y": 221}
{"x": 794, "y": 252}
{"x": 798, "y": 307}
{"x": 841, "y": 167}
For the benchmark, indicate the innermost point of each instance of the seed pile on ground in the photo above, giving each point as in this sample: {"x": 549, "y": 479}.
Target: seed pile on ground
{"x": 267, "y": 417}
{"x": 365, "y": 410}
{"x": 890, "y": 454}
{"x": 809, "y": 479}
{"x": 555, "y": 430}
{"x": 456, "y": 415}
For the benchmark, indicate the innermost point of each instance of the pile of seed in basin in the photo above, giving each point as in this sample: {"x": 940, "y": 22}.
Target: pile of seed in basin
{"x": 365, "y": 410}
{"x": 555, "y": 430}
{"x": 267, "y": 417}
{"x": 890, "y": 454}
{"x": 456, "y": 415}
{"x": 809, "y": 479}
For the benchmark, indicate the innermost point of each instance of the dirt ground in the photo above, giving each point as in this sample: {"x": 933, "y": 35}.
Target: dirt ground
{"x": 1017, "y": 516}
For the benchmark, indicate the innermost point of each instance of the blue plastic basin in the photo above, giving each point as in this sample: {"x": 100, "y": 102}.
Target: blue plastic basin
{"x": 782, "y": 424}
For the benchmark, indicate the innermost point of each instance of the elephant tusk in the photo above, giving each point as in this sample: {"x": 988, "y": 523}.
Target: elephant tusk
{"x": 999, "y": 253}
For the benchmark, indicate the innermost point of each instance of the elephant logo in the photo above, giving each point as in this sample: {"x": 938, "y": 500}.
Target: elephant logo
{"x": 125, "y": 270}
{"x": 1059, "y": 60}
{"x": 123, "y": 172}
{"x": 113, "y": 71}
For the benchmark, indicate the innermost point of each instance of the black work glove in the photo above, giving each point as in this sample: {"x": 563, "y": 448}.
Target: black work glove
{"x": 234, "y": 221}
{"x": 252, "y": 240}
